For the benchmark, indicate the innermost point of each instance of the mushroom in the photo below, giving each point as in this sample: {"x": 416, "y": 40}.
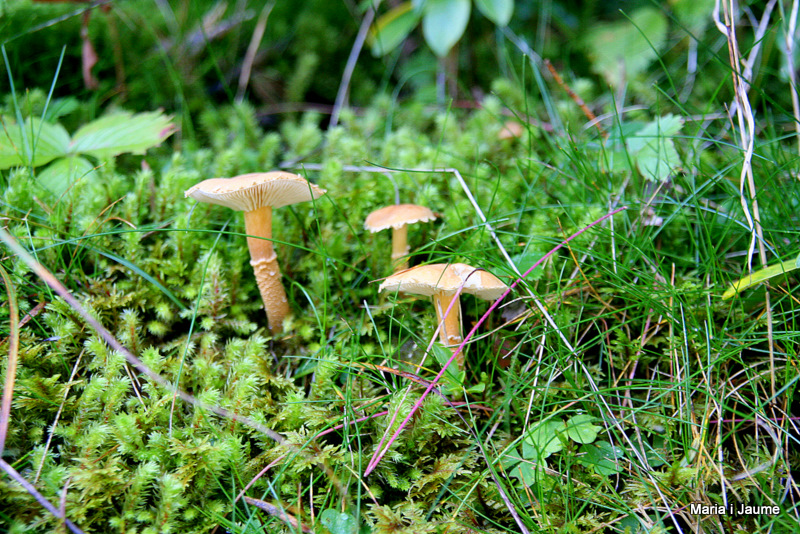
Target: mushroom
{"x": 398, "y": 217}
{"x": 441, "y": 281}
{"x": 256, "y": 194}
{"x": 510, "y": 130}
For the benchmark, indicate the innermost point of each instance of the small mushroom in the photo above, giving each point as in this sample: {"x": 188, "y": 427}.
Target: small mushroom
{"x": 441, "y": 281}
{"x": 256, "y": 194}
{"x": 511, "y": 130}
{"x": 398, "y": 217}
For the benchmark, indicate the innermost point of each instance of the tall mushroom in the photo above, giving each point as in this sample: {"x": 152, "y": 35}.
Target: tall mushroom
{"x": 441, "y": 281}
{"x": 398, "y": 217}
{"x": 256, "y": 194}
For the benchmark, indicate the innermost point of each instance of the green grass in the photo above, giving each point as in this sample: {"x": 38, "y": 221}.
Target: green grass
{"x": 613, "y": 389}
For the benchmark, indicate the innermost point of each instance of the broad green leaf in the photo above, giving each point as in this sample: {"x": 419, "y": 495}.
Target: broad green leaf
{"x": 654, "y": 150}
{"x": 392, "y": 28}
{"x": 543, "y": 441}
{"x": 61, "y": 174}
{"x": 624, "y": 49}
{"x": 35, "y": 144}
{"x": 602, "y": 457}
{"x": 120, "y": 133}
{"x": 444, "y": 23}
{"x": 760, "y": 276}
{"x": 498, "y": 11}
{"x": 527, "y": 472}
{"x": 581, "y": 429}
{"x": 338, "y": 522}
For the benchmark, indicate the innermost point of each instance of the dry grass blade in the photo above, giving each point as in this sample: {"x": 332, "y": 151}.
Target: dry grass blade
{"x": 13, "y": 349}
{"x": 38, "y": 496}
{"x": 273, "y": 510}
{"x": 250, "y": 56}
{"x": 746, "y": 120}
{"x": 109, "y": 338}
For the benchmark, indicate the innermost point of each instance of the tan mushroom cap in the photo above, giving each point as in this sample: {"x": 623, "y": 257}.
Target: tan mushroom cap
{"x": 397, "y": 216}
{"x": 445, "y": 279}
{"x": 249, "y": 192}
{"x": 511, "y": 130}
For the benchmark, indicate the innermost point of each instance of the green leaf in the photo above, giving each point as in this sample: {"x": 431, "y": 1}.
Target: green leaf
{"x": 542, "y": 441}
{"x": 525, "y": 261}
{"x": 60, "y": 175}
{"x": 338, "y": 522}
{"x": 392, "y": 28}
{"x": 498, "y": 11}
{"x": 35, "y": 144}
{"x": 621, "y": 50}
{"x": 602, "y": 457}
{"x": 760, "y": 276}
{"x": 653, "y": 148}
{"x": 581, "y": 429}
{"x": 444, "y": 23}
{"x": 120, "y": 133}
{"x": 442, "y": 354}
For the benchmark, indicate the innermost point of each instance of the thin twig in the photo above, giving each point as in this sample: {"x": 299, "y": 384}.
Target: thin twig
{"x": 746, "y": 120}
{"x": 109, "y": 338}
{"x": 13, "y": 350}
{"x": 575, "y": 98}
{"x": 38, "y": 496}
{"x": 275, "y": 511}
{"x": 789, "y": 44}
{"x": 344, "y": 85}
{"x": 52, "y": 430}
{"x": 252, "y": 48}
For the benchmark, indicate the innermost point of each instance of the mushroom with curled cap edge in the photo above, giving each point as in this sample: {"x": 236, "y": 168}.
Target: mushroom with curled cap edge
{"x": 442, "y": 281}
{"x": 256, "y": 194}
{"x": 398, "y": 217}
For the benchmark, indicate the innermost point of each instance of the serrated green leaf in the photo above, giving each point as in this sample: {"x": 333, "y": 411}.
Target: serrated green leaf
{"x": 35, "y": 144}
{"x": 444, "y": 23}
{"x": 624, "y": 49}
{"x": 760, "y": 276}
{"x": 338, "y": 522}
{"x": 498, "y": 11}
{"x": 542, "y": 441}
{"x": 121, "y": 133}
{"x": 392, "y": 28}
{"x": 581, "y": 429}
{"x": 61, "y": 174}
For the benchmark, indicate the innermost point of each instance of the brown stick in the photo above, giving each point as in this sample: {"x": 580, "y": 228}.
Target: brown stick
{"x": 578, "y": 100}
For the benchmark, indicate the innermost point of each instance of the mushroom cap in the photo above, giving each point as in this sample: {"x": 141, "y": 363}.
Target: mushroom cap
{"x": 397, "y": 216}
{"x": 445, "y": 279}
{"x": 249, "y": 192}
{"x": 510, "y": 130}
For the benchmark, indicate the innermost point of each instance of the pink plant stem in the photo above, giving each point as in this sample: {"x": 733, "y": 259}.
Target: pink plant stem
{"x": 379, "y": 453}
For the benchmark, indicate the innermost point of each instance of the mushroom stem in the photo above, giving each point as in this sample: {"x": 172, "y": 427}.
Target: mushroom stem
{"x": 400, "y": 248}
{"x": 450, "y": 330}
{"x": 258, "y": 224}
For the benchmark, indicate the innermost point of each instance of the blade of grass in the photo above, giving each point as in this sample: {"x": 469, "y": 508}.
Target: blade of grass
{"x": 380, "y": 453}
{"x": 109, "y": 338}
{"x": 13, "y": 349}
{"x": 38, "y": 496}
